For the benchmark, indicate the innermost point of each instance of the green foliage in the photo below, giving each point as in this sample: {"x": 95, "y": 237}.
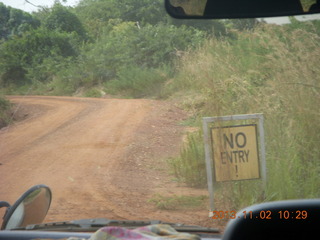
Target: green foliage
{"x": 222, "y": 68}
{"x": 214, "y": 28}
{"x": 136, "y": 82}
{"x": 97, "y": 13}
{"x": 4, "y": 112}
{"x": 15, "y": 22}
{"x": 189, "y": 167}
{"x": 178, "y": 202}
{"x": 124, "y": 44}
{"x": 143, "y": 11}
{"x": 33, "y": 55}
{"x": 56, "y": 60}
{"x": 149, "y": 46}
{"x": 273, "y": 70}
{"x": 93, "y": 92}
{"x": 244, "y": 24}
{"x": 310, "y": 26}
{"x": 4, "y": 104}
{"x": 62, "y": 20}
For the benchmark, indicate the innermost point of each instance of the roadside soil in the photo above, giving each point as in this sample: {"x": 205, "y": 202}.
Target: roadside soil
{"x": 102, "y": 158}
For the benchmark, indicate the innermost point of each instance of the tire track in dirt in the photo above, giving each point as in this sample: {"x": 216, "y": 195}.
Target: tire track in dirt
{"x": 100, "y": 157}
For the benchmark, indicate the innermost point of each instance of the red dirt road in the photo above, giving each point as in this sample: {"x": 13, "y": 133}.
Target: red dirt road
{"x": 100, "y": 157}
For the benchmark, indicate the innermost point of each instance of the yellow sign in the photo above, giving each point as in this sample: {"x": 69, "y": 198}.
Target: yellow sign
{"x": 235, "y": 152}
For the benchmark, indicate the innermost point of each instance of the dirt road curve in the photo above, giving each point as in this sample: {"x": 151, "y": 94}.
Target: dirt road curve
{"x": 100, "y": 157}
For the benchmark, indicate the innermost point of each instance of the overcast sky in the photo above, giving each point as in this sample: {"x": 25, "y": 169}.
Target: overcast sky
{"x": 23, "y": 5}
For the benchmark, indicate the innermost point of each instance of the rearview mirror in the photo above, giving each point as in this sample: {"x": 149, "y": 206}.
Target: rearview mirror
{"x": 30, "y": 208}
{"x": 240, "y": 8}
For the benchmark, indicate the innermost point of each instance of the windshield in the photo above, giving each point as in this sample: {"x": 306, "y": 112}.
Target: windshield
{"x": 103, "y": 102}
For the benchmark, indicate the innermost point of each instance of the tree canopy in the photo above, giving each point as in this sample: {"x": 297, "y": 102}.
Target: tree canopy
{"x": 95, "y": 41}
{"x": 15, "y": 22}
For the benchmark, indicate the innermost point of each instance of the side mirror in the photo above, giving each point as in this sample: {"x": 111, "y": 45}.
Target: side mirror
{"x": 217, "y": 9}
{"x": 30, "y": 208}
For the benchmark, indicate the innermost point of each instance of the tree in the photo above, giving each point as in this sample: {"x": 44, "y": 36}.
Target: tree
{"x": 96, "y": 15}
{"x": 143, "y": 11}
{"x": 15, "y": 22}
{"x": 21, "y": 55}
{"x": 125, "y": 44}
{"x": 62, "y": 20}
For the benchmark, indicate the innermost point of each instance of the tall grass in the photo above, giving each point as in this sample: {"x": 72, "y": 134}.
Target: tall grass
{"x": 4, "y": 112}
{"x": 273, "y": 70}
{"x": 190, "y": 166}
{"x": 177, "y": 202}
{"x": 136, "y": 82}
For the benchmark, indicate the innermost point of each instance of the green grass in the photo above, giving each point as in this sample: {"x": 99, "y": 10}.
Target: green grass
{"x": 189, "y": 167}
{"x": 136, "y": 82}
{"x": 4, "y": 112}
{"x": 272, "y": 70}
{"x": 93, "y": 92}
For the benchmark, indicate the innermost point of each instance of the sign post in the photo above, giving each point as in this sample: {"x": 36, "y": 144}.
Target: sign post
{"x": 234, "y": 151}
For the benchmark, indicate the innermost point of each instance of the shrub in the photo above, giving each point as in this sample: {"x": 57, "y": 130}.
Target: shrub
{"x": 93, "y": 92}
{"x": 4, "y": 112}
{"x": 135, "y": 82}
{"x": 178, "y": 202}
{"x": 190, "y": 165}
{"x": 272, "y": 70}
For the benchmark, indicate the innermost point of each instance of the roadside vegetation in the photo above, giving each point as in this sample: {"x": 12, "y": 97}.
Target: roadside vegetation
{"x": 271, "y": 70}
{"x": 132, "y": 49}
{"x": 5, "y": 112}
{"x": 179, "y": 202}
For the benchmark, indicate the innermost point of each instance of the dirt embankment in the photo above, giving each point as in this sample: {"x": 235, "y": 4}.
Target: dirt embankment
{"x": 101, "y": 157}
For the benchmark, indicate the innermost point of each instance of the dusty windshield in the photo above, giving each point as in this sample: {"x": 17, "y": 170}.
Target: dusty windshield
{"x": 103, "y": 102}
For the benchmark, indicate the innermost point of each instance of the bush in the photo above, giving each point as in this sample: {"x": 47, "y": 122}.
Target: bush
{"x": 93, "y": 92}
{"x": 4, "y": 112}
{"x": 178, "y": 202}
{"x": 272, "y": 70}
{"x": 190, "y": 166}
{"x": 34, "y": 56}
{"x": 60, "y": 19}
{"x": 135, "y": 82}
